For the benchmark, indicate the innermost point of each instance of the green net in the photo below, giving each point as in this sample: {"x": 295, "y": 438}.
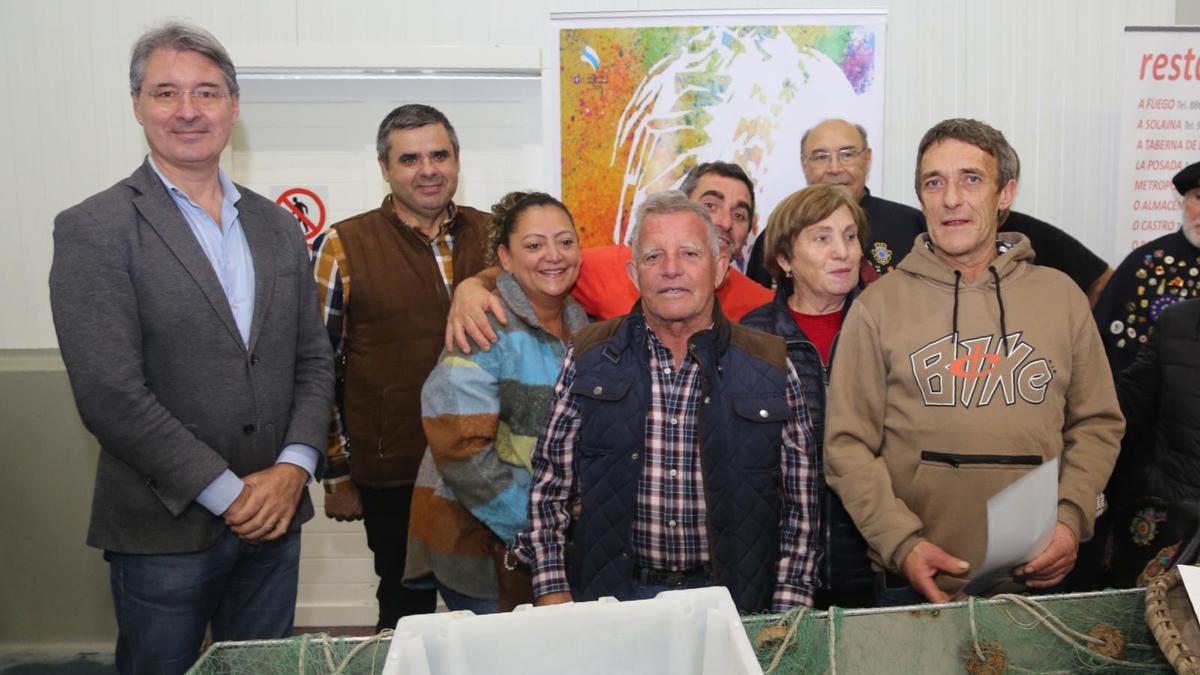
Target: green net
{"x": 317, "y": 654}
{"x": 1102, "y": 632}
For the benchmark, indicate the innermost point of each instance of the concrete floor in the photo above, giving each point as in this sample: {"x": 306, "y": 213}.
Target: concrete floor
{"x": 56, "y": 662}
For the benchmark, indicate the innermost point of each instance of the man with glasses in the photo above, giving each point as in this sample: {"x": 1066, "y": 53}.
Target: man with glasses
{"x": 189, "y": 327}
{"x": 835, "y": 152}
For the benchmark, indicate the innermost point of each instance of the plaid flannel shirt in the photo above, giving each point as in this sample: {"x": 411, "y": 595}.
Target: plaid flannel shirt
{"x": 669, "y": 527}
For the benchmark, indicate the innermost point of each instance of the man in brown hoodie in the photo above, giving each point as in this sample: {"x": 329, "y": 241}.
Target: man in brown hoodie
{"x": 969, "y": 366}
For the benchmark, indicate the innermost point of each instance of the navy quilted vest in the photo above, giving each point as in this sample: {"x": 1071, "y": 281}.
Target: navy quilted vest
{"x": 744, "y": 407}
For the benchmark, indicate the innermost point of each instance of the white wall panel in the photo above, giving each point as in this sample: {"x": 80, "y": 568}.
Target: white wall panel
{"x": 357, "y": 22}
{"x": 344, "y": 593}
{"x": 333, "y": 569}
{"x": 512, "y": 25}
{"x": 333, "y": 544}
{"x": 337, "y": 573}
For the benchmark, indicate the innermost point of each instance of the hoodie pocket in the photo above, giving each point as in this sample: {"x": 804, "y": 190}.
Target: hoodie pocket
{"x": 949, "y": 493}
{"x": 959, "y": 461}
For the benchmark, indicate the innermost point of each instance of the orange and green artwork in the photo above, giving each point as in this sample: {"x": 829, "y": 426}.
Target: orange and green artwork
{"x": 639, "y": 106}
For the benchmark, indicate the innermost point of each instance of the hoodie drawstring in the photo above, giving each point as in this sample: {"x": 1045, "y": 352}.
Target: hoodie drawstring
{"x": 999, "y": 301}
{"x": 954, "y": 319}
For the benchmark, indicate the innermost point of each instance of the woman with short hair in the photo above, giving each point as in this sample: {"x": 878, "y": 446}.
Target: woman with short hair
{"x": 814, "y": 253}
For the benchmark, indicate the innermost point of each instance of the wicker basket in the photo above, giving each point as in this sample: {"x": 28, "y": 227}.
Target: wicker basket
{"x": 1171, "y": 619}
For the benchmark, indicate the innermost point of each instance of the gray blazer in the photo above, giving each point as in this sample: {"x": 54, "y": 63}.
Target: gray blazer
{"x": 159, "y": 371}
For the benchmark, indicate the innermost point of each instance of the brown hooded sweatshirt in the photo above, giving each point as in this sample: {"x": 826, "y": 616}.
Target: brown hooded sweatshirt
{"x": 931, "y": 412}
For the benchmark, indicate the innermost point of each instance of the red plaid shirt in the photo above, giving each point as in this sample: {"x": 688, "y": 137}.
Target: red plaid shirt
{"x": 669, "y": 528}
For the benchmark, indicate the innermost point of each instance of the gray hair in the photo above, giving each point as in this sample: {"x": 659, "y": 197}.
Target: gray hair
{"x": 862, "y": 131}
{"x": 981, "y": 135}
{"x": 179, "y": 37}
{"x": 976, "y": 133}
{"x": 1013, "y": 160}
{"x": 672, "y": 201}
{"x": 411, "y": 116}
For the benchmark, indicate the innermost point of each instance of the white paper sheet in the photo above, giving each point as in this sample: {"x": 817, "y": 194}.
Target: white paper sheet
{"x": 1021, "y": 520}
{"x": 1191, "y": 583}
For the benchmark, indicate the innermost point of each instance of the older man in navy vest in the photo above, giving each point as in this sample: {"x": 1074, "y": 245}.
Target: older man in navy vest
{"x": 677, "y": 449}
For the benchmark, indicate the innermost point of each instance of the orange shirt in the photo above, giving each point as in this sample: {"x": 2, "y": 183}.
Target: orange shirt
{"x": 605, "y": 290}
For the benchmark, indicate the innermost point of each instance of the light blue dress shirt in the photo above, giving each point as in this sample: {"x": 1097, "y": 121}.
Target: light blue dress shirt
{"x": 229, "y": 254}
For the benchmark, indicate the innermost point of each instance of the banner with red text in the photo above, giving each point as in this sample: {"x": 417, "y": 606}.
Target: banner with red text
{"x": 1160, "y": 130}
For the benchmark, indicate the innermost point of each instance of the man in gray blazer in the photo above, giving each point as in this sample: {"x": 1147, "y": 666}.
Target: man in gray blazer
{"x": 188, "y": 323}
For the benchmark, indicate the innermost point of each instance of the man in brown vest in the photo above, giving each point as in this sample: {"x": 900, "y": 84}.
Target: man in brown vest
{"x": 404, "y": 258}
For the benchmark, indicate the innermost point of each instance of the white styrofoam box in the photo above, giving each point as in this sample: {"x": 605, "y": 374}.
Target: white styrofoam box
{"x": 688, "y": 632}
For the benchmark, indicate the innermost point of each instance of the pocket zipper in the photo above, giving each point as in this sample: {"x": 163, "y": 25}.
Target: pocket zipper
{"x": 958, "y": 460}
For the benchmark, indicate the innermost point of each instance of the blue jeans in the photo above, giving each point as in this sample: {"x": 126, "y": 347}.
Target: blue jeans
{"x": 164, "y": 602}
{"x": 899, "y": 596}
{"x": 456, "y": 601}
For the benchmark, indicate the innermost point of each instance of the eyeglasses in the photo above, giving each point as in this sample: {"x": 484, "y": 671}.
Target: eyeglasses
{"x": 821, "y": 157}
{"x": 169, "y": 98}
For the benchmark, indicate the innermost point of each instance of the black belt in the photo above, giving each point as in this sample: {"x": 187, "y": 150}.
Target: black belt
{"x": 888, "y": 580}
{"x": 655, "y": 577}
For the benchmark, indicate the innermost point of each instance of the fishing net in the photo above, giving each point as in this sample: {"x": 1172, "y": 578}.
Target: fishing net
{"x": 317, "y": 654}
{"x": 1103, "y": 632}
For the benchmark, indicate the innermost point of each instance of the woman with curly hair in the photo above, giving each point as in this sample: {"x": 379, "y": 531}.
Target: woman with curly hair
{"x": 483, "y": 411}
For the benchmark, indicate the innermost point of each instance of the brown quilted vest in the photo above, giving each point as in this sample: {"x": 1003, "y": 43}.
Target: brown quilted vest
{"x": 395, "y": 328}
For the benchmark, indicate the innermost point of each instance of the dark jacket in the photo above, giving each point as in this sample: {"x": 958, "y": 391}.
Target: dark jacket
{"x": 1052, "y": 247}
{"x": 744, "y": 376}
{"x": 843, "y": 565}
{"x": 1161, "y": 403}
{"x": 159, "y": 369}
{"x": 1147, "y": 280}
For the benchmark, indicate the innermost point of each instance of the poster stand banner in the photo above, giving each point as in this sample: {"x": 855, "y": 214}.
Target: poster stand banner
{"x": 633, "y": 101}
{"x": 1160, "y": 131}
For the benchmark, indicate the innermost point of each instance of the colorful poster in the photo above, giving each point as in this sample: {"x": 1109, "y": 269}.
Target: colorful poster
{"x": 633, "y": 102}
{"x": 1160, "y": 131}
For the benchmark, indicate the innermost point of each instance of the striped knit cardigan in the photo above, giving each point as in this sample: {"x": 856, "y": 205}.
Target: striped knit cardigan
{"x": 482, "y": 414}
